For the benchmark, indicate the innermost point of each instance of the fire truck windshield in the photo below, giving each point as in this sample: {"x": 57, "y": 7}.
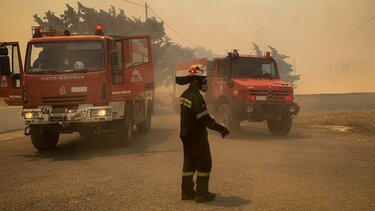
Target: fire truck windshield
{"x": 254, "y": 67}
{"x": 64, "y": 57}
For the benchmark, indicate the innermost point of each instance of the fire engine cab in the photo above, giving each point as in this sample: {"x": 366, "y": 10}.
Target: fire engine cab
{"x": 83, "y": 83}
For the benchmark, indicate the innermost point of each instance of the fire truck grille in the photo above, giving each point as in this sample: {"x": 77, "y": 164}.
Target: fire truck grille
{"x": 275, "y": 95}
{"x": 64, "y": 99}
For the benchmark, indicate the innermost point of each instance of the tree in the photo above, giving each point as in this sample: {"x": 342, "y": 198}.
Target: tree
{"x": 285, "y": 68}
{"x": 201, "y": 52}
{"x": 257, "y": 50}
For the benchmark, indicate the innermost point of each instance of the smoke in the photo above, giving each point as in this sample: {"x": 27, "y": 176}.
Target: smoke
{"x": 164, "y": 97}
{"x": 318, "y": 35}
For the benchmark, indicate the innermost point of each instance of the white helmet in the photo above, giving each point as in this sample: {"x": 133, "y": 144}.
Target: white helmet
{"x": 197, "y": 70}
{"x": 78, "y": 65}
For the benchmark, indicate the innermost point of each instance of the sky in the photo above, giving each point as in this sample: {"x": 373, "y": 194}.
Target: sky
{"x": 316, "y": 34}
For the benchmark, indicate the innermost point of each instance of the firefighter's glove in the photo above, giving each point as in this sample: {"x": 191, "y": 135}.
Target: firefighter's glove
{"x": 223, "y": 131}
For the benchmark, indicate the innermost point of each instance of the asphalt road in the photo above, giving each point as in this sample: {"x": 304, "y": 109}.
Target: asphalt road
{"x": 311, "y": 169}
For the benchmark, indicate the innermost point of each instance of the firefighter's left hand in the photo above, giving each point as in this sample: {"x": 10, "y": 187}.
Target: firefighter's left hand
{"x": 224, "y": 132}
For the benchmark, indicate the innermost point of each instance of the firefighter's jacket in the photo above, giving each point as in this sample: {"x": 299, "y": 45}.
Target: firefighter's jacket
{"x": 195, "y": 117}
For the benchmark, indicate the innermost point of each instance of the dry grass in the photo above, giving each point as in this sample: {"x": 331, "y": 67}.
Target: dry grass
{"x": 359, "y": 120}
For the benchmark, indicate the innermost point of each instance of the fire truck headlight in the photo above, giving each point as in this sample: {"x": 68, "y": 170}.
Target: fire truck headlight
{"x": 100, "y": 112}
{"x": 29, "y": 115}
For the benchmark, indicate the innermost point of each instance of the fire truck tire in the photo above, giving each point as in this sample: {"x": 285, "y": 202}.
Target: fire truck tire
{"x": 145, "y": 126}
{"x": 279, "y": 125}
{"x": 226, "y": 117}
{"x": 44, "y": 138}
{"x": 128, "y": 132}
{"x": 124, "y": 133}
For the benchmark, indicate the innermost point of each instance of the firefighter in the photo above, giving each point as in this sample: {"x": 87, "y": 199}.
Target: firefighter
{"x": 194, "y": 121}
{"x": 40, "y": 62}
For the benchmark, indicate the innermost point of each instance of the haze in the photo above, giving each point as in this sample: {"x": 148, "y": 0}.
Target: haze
{"x": 317, "y": 35}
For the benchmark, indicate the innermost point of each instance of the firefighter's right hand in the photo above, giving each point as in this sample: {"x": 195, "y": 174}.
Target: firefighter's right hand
{"x": 224, "y": 131}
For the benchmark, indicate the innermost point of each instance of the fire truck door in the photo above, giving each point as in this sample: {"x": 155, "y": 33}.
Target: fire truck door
{"x": 133, "y": 74}
{"x": 11, "y": 73}
{"x": 138, "y": 63}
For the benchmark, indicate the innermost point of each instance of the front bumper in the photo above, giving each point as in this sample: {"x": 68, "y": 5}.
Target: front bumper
{"x": 260, "y": 112}
{"x": 91, "y": 114}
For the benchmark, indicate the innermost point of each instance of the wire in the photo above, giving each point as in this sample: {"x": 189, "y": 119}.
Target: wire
{"x": 187, "y": 40}
{"x": 135, "y": 3}
{"x": 359, "y": 28}
{"x": 169, "y": 26}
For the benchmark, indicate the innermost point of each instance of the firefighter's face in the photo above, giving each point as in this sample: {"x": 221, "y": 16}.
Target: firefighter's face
{"x": 202, "y": 83}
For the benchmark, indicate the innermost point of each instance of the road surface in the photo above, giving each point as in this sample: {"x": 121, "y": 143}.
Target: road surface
{"x": 311, "y": 169}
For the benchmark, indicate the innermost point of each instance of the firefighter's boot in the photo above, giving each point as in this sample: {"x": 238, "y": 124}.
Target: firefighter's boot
{"x": 187, "y": 188}
{"x": 203, "y": 195}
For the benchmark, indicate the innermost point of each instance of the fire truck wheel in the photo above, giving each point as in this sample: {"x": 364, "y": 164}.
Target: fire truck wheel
{"x": 124, "y": 133}
{"x": 44, "y": 138}
{"x": 128, "y": 132}
{"x": 145, "y": 126}
{"x": 279, "y": 125}
{"x": 226, "y": 117}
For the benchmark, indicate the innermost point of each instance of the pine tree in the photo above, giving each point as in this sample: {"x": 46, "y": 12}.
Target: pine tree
{"x": 285, "y": 69}
{"x": 257, "y": 50}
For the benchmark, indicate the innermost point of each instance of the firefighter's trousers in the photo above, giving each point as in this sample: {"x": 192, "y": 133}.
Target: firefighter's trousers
{"x": 197, "y": 158}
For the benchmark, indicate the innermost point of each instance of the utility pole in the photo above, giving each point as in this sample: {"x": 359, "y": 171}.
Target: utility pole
{"x": 146, "y": 11}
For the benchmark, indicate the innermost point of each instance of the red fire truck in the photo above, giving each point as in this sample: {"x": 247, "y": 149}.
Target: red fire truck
{"x": 248, "y": 88}
{"x": 88, "y": 84}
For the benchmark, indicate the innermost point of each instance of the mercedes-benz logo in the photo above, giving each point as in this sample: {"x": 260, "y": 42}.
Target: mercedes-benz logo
{"x": 270, "y": 94}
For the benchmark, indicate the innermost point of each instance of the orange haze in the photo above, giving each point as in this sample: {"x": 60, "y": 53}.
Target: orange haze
{"x": 308, "y": 31}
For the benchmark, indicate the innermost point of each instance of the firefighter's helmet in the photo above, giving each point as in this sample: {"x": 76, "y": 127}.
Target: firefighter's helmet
{"x": 197, "y": 70}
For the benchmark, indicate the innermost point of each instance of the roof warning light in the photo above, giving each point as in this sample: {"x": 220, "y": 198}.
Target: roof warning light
{"x": 99, "y": 29}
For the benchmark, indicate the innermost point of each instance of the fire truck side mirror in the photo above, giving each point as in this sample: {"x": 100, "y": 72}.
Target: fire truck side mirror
{"x": 113, "y": 57}
{"x": 4, "y": 61}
